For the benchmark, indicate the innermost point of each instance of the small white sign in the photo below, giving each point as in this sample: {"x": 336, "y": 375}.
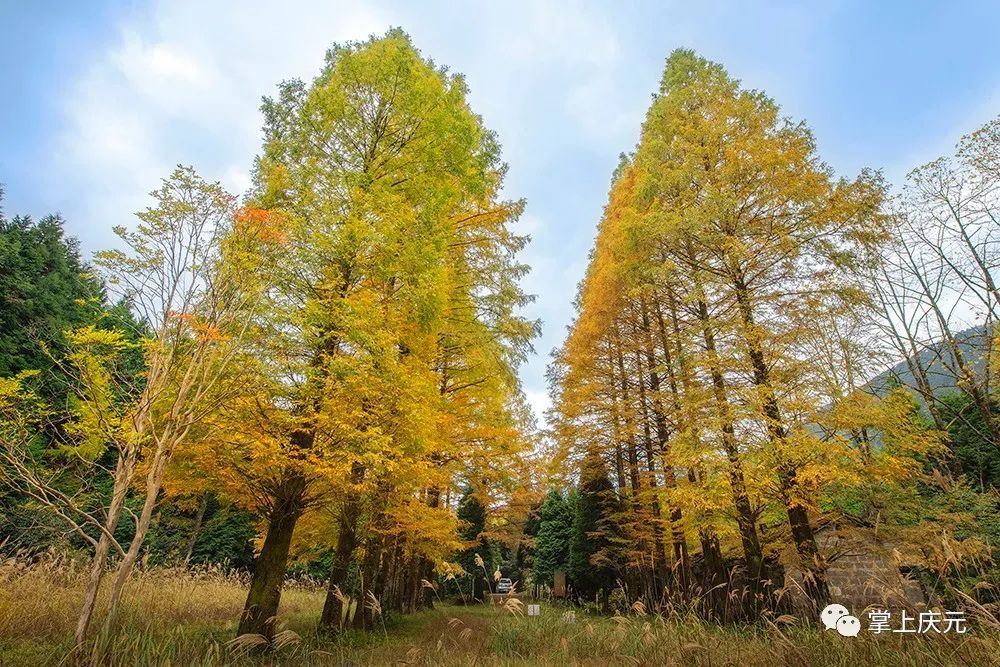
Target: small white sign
{"x": 534, "y": 610}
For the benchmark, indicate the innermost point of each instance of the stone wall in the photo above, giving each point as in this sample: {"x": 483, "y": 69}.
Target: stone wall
{"x": 862, "y": 573}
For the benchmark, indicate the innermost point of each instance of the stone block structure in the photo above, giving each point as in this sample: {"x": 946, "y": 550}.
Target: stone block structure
{"x": 862, "y": 571}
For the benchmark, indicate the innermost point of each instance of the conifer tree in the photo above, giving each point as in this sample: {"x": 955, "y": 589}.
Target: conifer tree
{"x": 477, "y": 547}
{"x": 727, "y": 266}
{"x": 552, "y": 542}
{"x": 592, "y": 555}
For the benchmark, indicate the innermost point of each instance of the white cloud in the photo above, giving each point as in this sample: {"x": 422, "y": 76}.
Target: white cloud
{"x": 182, "y": 83}
{"x": 155, "y": 68}
{"x": 576, "y": 46}
{"x": 539, "y": 402}
{"x": 236, "y": 178}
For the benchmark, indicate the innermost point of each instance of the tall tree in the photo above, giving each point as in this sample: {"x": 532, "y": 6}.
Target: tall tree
{"x": 45, "y": 290}
{"x": 711, "y": 336}
{"x": 395, "y": 300}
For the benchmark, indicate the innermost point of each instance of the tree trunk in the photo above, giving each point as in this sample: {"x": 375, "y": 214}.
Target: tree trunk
{"x": 633, "y": 457}
{"x": 813, "y": 564}
{"x": 427, "y": 601}
{"x": 616, "y": 429}
{"x": 93, "y": 588}
{"x": 261, "y": 606}
{"x": 347, "y": 541}
{"x": 124, "y": 470}
{"x": 681, "y": 562}
{"x": 198, "y": 522}
{"x": 965, "y": 376}
{"x": 660, "y": 568}
{"x": 713, "y": 599}
{"x": 894, "y": 305}
{"x": 710, "y": 549}
{"x": 752, "y": 553}
{"x": 154, "y": 481}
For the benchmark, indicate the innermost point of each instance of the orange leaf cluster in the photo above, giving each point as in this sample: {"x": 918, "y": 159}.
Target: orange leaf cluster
{"x": 262, "y": 223}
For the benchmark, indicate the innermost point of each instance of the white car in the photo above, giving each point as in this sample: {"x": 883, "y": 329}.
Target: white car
{"x": 504, "y": 586}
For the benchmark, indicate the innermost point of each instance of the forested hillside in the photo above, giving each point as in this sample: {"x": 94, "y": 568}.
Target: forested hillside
{"x": 935, "y": 360}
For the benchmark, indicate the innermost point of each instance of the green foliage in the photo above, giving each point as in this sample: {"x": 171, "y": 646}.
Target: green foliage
{"x": 591, "y": 561}
{"x": 47, "y": 297}
{"x": 45, "y": 289}
{"x": 977, "y": 456}
{"x": 204, "y": 532}
{"x": 555, "y": 531}
{"x": 960, "y": 527}
{"x": 473, "y": 515}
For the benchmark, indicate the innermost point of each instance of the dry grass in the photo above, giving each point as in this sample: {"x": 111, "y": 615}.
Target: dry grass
{"x": 184, "y": 617}
{"x": 649, "y": 640}
{"x": 50, "y": 591}
{"x": 39, "y": 603}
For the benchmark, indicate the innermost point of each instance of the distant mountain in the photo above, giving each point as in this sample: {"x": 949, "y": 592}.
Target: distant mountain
{"x": 935, "y": 358}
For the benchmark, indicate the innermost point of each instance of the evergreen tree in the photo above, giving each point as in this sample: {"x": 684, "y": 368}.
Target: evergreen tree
{"x": 555, "y": 532}
{"x": 44, "y": 291}
{"x": 975, "y": 454}
{"x": 591, "y": 557}
{"x": 524, "y": 551}
{"x": 473, "y": 515}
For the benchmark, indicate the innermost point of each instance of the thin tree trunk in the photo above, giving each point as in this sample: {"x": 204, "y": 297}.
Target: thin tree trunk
{"x": 908, "y": 349}
{"x": 616, "y": 428}
{"x": 965, "y": 377}
{"x": 154, "y": 481}
{"x": 196, "y": 531}
{"x": 711, "y": 551}
{"x": 124, "y": 470}
{"x": 97, "y": 569}
{"x": 659, "y": 417}
{"x": 752, "y": 552}
{"x": 633, "y": 458}
{"x": 660, "y": 568}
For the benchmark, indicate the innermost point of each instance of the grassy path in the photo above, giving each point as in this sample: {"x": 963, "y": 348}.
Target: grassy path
{"x": 447, "y": 635}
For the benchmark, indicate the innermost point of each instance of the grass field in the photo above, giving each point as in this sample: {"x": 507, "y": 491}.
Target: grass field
{"x": 178, "y": 617}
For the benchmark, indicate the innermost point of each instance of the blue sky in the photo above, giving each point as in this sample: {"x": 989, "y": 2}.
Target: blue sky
{"x": 101, "y": 99}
